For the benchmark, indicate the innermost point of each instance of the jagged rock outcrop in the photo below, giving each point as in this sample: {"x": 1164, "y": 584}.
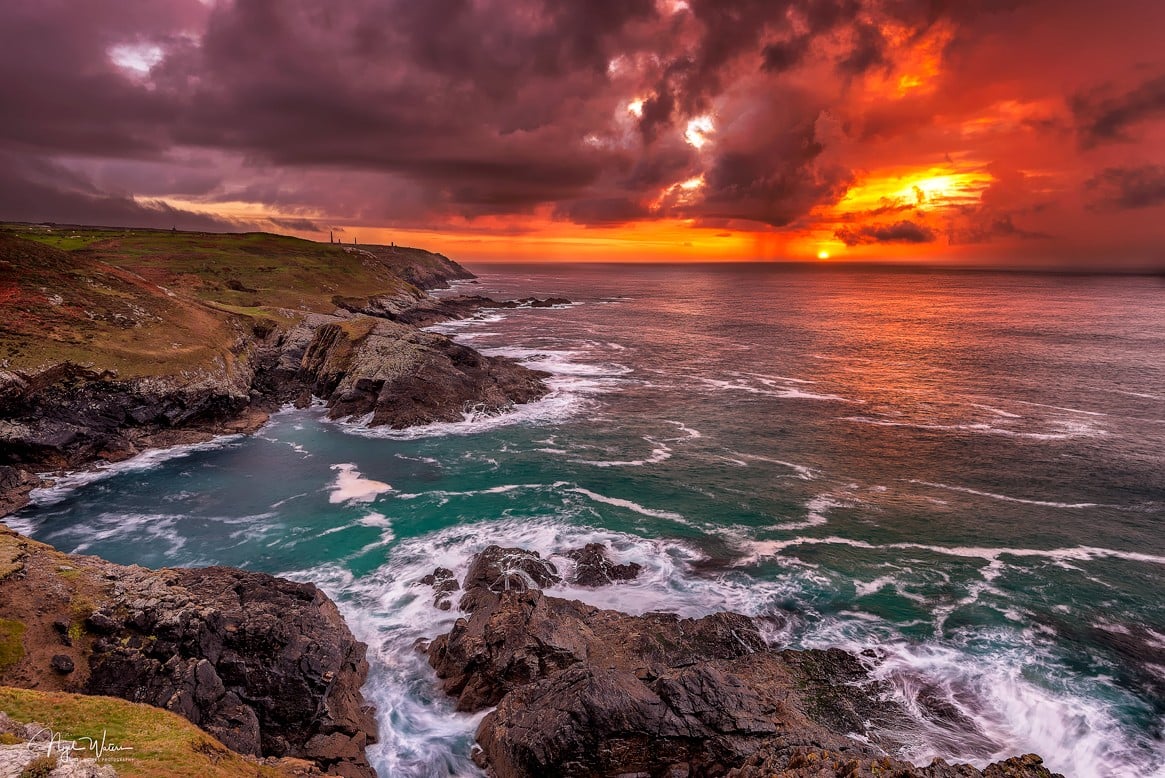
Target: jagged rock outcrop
{"x": 444, "y": 584}
{"x": 266, "y": 665}
{"x": 593, "y": 567}
{"x": 586, "y": 692}
{"x": 67, "y": 414}
{"x": 404, "y": 377}
{"x": 431, "y": 310}
{"x": 423, "y": 269}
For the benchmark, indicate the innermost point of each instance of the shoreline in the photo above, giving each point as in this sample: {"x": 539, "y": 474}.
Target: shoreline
{"x": 767, "y": 767}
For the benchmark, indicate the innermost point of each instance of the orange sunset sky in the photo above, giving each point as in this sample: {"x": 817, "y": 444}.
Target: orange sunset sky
{"x": 991, "y": 132}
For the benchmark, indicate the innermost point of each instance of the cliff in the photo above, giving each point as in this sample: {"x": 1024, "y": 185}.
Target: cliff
{"x": 266, "y": 666}
{"x": 115, "y": 341}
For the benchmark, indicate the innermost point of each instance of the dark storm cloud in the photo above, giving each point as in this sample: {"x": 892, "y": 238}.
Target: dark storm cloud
{"x": 781, "y": 56}
{"x": 433, "y": 113}
{"x": 988, "y": 229}
{"x": 900, "y": 232}
{"x": 1103, "y": 117}
{"x": 602, "y": 211}
{"x": 1127, "y": 188}
{"x": 303, "y": 225}
{"x": 33, "y": 190}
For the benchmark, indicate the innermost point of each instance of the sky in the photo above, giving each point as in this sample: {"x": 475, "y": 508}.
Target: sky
{"x": 983, "y": 132}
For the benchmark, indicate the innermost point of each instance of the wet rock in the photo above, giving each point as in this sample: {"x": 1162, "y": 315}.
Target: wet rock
{"x": 444, "y": 584}
{"x": 581, "y": 691}
{"x": 593, "y": 567}
{"x": 510, "y": 569}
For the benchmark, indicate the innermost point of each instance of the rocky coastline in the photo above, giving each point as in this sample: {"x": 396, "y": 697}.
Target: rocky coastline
{"x": 366, "y": 360}
{"x": 266, "y": 666}
{"x": 269, "y": 668}
{"x": 583, "y": 692}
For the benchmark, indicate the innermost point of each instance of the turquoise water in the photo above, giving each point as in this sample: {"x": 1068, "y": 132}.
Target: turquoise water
{"x": 963, "y": 471}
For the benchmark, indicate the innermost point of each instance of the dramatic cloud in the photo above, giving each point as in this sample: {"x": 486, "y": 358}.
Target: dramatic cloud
{"x": 1103, "y": 117}
{"x": 1128, "y": 188}
{"x": 804, "y": 124}
{"x": 898, "y": 232}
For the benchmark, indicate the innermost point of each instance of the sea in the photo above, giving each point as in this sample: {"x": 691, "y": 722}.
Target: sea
{"x": 960, "y": 473}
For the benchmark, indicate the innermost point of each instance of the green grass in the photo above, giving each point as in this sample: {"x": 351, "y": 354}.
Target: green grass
{"x": 11, "y": 642}
{"x": 158, "y": 302}
{"x": 163, "y": 743}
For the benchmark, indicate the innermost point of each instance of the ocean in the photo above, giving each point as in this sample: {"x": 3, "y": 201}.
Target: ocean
{"x": 963, "y": 472}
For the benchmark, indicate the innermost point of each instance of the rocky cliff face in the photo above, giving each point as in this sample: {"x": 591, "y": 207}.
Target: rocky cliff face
{"x": 586, "y": 692}
{"x": 362, "y": 364}
{"x": 404, "y": 377}
{"x": 265, "y": 665}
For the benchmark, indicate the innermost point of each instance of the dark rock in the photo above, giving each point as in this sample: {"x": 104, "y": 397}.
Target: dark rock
{"x": 586, "y": 692}
{"x": 498, "y": 569}
{"x": 101, "y": 623}
{"x": 404, "y": 377}
{"x": 593, "y": 567}
{"x": 62, "y": 664}
{"x": 444, "y": 584}
{"x": 15, "y": 485}
{"x": 266, "y": 665}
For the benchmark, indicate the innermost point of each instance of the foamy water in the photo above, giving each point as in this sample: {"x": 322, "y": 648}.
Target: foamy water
{"x": 889, "y": 462}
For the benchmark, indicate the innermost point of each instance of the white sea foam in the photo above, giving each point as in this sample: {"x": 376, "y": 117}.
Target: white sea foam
{"x": 660, "y": 452}
{"x": 754, "y": 550}
{"x": 1010, "y": 712}
{"x": 1004, "y": 497}
{"x": 1065, "y": 428}
{"x": 816, "y": 509}
{"x": 351, "y": 486}
{"x": 770, "y": 389}
{"x": 997, "y": 411}
{"x": 149, "y": 459}
{"x": 630, "y": 505}
{"x": 803, "y": 472}
{"x": 688, "y": 431}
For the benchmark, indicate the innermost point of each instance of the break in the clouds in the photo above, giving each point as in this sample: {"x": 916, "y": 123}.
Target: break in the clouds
{"x": 747, "y": 128}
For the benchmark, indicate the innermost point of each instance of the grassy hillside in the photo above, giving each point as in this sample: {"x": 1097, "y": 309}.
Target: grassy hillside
{"x": 150, "y": 302}
{"x": 164, "y": 744}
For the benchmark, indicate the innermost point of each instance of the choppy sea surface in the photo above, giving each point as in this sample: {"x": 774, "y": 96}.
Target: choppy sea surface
{"x": 963, "y": 471}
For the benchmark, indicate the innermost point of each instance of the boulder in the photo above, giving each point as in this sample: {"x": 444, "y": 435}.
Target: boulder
{"x": 593, "y": 567}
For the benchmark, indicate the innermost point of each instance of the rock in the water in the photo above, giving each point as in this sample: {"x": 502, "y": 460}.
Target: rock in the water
{"x": 585, "y": 692}
{"x": 593, "y": 567}
{"x": 498, "y": 569}
{"x": 404, "y": 377}
{"x": 444, "y": 584}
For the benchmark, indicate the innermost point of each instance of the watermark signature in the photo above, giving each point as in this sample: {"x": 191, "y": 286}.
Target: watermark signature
{"x": 100, "y": 748}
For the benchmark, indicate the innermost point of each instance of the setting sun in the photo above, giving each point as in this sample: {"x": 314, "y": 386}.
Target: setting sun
{"x": 823, "y": 254}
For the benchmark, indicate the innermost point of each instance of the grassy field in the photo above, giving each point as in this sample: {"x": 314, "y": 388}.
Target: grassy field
{"x": 163, "y": 744}
{"x": 153, "y": 302}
